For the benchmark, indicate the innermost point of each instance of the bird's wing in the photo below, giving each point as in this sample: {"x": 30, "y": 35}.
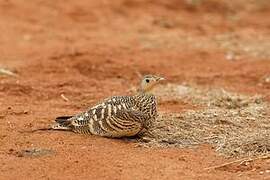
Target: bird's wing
{"x": 114, "y": 117}
{"x": 122, "y": 123}
{"x": 116, "y": 102}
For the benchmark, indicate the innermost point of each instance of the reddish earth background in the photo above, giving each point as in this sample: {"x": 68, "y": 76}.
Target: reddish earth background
{"x": 88, "y": 50}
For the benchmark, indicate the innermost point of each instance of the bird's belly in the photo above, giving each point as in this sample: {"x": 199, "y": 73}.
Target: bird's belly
{"x": 124, "y": 133}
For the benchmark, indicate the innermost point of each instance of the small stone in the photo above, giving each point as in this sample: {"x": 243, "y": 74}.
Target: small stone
{"x": 267, "y": 79}
{"x": 34, "y": 152}
{"x": 11, "y": 150}
{"x": 230, "y": 56}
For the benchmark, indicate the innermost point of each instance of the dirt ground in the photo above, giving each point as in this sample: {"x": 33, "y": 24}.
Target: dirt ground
{"x": 86, "y": 50}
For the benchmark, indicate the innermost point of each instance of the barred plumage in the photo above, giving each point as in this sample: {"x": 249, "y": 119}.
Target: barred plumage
{"x": 117, "y": 116}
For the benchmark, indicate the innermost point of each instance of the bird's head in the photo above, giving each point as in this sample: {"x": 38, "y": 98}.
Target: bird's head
{"x": 149, "y": 82}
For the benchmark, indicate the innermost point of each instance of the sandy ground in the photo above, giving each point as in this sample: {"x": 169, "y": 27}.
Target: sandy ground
{"x": 88, "y": 50}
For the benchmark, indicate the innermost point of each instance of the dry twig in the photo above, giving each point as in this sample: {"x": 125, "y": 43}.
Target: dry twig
{"x": 64, "y": 97}
{"x": 244, "y": 160}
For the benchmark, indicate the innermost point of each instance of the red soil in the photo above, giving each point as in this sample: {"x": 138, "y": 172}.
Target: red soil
{"x": 88, "y": 50}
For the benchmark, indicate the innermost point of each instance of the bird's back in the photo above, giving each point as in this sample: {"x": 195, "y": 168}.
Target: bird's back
{"x": 114, "y": 117}
{"x": 107, "y": 118}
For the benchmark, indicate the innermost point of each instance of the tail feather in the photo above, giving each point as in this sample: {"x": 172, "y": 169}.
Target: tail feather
{"x": 63, "y": 117}
{"x": 62, "y": 123}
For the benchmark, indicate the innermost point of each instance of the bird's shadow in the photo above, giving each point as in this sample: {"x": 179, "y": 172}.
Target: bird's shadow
{"x": 132, "y": 139}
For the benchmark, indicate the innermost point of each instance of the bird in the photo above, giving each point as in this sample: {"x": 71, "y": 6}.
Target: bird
{"x": 117, "y": 116}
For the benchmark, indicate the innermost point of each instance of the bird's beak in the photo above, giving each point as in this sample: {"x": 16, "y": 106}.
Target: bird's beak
{"x": 160, "y": 78}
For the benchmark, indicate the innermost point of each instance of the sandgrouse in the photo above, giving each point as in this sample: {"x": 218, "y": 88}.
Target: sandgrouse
{"x": 118, "y": 116}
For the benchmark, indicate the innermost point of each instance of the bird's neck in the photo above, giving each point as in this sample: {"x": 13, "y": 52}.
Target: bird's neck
{"x": 145, "y": 92}
{"x": 142, "y": 95}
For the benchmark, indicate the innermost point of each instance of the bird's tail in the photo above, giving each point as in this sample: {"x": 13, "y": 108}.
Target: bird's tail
{"x": 62, "y": 123}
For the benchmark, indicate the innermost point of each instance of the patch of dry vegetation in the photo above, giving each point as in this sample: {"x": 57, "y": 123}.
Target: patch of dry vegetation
{"x": 236, "y": 125}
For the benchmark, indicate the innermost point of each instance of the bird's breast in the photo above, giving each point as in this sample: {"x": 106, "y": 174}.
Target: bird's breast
{"x": 148, "y": 105}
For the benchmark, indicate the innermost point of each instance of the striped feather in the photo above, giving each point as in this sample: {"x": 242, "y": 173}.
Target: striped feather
{"x": 115, "y": 117}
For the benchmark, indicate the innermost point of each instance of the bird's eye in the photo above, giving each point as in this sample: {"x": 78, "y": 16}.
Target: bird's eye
{"x": 147, "y": 80}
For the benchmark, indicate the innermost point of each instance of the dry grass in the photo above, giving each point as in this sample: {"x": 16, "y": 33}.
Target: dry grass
{"x": 235, "y": 125}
